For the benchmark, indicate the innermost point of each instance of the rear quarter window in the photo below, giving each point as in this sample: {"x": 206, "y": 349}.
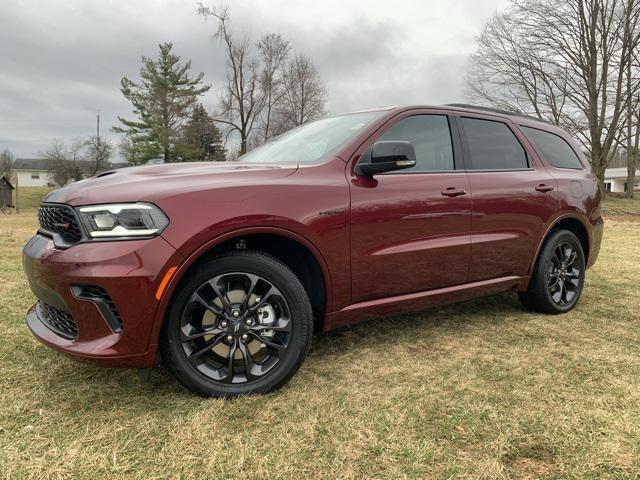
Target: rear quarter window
{"x": 553, "y": 148}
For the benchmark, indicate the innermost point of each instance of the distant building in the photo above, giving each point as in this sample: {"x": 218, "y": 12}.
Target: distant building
{"x": 33, "y": 172}
{"x": 38, "y": 172}
{"x": 615, "y": 180}
{"x": 6, "y": 192}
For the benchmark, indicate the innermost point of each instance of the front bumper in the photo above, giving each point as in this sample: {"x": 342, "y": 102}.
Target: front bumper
{"x": 129, "y": 271}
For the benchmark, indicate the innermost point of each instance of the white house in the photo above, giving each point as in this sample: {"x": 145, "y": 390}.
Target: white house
{"x": 615, "y": 180}
{"x": 33, "y": 172}
{"x": 38, "y": 172}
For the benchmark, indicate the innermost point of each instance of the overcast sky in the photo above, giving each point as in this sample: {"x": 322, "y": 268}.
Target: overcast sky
{"x": 61, "y": 61}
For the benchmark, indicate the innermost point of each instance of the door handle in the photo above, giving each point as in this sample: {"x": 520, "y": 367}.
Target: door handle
{"x": 544, "y": 188}
{"x": 454, "y": 192}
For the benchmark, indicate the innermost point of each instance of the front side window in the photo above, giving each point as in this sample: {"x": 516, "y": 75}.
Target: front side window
{"x": 493, "y": 146}
{"x": 313, "y": 141}
{"x": 431, "y": 139}
{"x": 554, "y": 149}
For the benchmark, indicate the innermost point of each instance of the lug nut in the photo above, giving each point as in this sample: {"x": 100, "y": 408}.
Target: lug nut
{"x": 229, "y": 338}
{"x": 245, "y": 337}
{"x": 249, "y": 322}
{"x": 223, "y": 324}
{"x": 235, "y": 314}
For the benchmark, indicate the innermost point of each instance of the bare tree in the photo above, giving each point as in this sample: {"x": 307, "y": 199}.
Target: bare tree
{"x": 6, "y": 162}
{"x": 305, "y": 97}
{"x": 66, "y": 159}
{"x": 507, "y": 72}
{"x": 562, "y": 61}
{"x": 241, "y": 100}
{"x": 633, "y": 146}
{"x": 274, "y": 51}
{"x": 632, "y": 97}
{"x": 97, "y": 154}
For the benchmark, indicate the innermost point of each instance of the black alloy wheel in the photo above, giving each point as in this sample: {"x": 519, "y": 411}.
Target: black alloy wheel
{"x": 236, "y": 327}
{"x": 241, "y": 325}
{"x": 558, "y": 276}
{"x": 564, "y": 277}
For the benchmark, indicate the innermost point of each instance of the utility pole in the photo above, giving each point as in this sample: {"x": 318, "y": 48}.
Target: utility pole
{"x": 98, "y": 132}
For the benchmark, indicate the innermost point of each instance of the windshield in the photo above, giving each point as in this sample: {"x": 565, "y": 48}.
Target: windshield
{"x": 311, "y": 142}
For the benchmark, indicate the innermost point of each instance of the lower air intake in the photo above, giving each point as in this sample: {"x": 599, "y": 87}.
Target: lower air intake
{"x": 58, "y": 321}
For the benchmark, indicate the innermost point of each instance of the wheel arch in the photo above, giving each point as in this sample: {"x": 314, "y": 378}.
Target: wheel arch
{"x": 291, "y": 248}
{"x": 570, "y": 222}
{"x": 577, "y": 227}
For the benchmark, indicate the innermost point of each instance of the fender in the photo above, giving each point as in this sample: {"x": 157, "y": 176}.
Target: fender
{"x": 552, "y": 223}
{"x": 195, "y": 255}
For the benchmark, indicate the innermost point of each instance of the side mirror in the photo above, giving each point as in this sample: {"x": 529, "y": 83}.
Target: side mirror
{"x": 386, "y": 157}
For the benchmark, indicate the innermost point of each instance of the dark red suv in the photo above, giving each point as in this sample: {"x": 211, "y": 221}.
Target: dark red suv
{"x": 228, "y": 268}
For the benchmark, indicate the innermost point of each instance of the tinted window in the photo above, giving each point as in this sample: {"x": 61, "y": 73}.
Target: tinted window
{"x": 554, "y": 149}
{"x": 493, "y": 146}
{"x": 431, "y": 140}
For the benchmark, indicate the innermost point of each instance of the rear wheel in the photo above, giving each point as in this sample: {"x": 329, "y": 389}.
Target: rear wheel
{"x": 558, "y": 276}
{"x": 240, "y": 325}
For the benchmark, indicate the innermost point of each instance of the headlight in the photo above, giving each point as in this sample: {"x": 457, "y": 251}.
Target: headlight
{"x": 123, "y": 220}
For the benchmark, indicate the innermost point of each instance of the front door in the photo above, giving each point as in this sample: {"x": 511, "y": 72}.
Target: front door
{"x": 410, "y": 230}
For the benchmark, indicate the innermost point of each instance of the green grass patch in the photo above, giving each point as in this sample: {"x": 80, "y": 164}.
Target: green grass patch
{"x": 30, "y": 197}
{"x": 618, "y": 206}
{"x": 481, "y": 389}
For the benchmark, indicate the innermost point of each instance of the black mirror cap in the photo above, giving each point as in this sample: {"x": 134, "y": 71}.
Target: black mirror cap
{"x": 386, "y": 157}
{"x": 392, "y": 151}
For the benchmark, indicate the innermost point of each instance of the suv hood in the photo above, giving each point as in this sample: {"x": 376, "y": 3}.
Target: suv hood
{"x": 149, "y": 183}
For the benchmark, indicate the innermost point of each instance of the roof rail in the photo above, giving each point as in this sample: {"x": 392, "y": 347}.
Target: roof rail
{"x": 515, "y": 113}
{"x": 488, "y": 109}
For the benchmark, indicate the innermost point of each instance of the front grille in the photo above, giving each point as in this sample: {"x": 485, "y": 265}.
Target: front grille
{"x": 102, "y": 299}
{"x": 59, "y": 321}
{"x": 60, "y": 220}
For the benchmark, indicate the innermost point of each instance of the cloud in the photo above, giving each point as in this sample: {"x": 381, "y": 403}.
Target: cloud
{"x": 61, "y": 61}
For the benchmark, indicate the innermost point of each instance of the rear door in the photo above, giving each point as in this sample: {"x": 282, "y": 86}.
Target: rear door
{"x": 410, "y": 229}
{"x": 513, "y": 196}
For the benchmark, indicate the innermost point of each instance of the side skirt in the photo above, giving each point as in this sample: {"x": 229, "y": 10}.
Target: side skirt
{"x": 421, "y": 300}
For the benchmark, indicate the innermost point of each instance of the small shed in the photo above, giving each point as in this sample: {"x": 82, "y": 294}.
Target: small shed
{"x": 6, "y": 192}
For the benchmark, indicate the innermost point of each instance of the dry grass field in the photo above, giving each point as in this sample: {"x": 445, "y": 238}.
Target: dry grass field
{"x": 477, "y": 390}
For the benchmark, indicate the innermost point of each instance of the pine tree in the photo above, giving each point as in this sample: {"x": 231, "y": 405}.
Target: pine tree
{"x": 162, "y": 101}
{"x": 201, "y": 139}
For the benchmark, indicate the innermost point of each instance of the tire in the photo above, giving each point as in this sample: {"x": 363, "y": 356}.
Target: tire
{"x": 558, "y": 276}
{"x": 247, "y": 304}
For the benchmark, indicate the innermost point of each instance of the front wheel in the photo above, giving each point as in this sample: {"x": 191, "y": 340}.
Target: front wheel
{"x": 558, "y": 277}
{"x": 240, "y": 325}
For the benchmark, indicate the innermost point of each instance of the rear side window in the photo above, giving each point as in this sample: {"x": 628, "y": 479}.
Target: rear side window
{"x": 554, "y": 148}
{"x": 493, "y": 146}
{"x": 431, "y": 139}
